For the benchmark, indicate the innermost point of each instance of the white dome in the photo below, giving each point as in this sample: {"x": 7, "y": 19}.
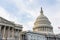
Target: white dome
{"x": 42, "y": 20}
{"x": 42, "y": 23}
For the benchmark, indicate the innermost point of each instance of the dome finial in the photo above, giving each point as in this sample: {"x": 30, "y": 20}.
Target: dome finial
{"x": 41, "y": 11}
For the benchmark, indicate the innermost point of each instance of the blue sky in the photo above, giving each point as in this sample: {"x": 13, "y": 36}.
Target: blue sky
{"x": 25, "y": 12}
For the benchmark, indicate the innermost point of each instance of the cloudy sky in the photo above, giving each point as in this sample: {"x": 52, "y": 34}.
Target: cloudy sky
{"x": 25, "y": 12}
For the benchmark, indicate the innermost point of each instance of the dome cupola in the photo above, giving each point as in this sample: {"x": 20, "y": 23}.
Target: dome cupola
{"x": 42, "y": 23}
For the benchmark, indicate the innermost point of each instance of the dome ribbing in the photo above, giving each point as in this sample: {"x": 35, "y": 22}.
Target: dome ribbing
{"x": 42, "y": 23}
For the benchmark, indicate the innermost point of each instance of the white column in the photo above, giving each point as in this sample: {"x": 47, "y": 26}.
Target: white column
{"x": 20, "y": 38}
{"x": 13, "y": 33}
{"x": 19, "y": 34}
{"x": 8, "y": 33}
{"x": 0, "y": 28}
{"x": 4, "y": 33}
{"x": 0, "y": 33}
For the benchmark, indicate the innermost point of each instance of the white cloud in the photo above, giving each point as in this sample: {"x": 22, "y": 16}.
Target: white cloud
{"x": 53, "y": 13}
{"x": 7, "y": 15}
{"x": 58, "y": 0}
{"x": 30, "y": 0}
{"x": 28, "y": 26}
{"x": 3, "y": 12}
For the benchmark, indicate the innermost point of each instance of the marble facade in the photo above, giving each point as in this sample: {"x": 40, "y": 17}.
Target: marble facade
{"x": 9, "y": 30}
{"x": 42, "y": 30}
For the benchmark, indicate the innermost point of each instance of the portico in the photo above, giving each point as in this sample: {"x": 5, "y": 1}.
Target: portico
{"x": 8, "y": 30}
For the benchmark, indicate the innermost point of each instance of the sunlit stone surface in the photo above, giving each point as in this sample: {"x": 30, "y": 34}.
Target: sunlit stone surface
{"x": 9, "y": 30}
{"x": 42, "y": 30}
{"x": 42, "y": 24}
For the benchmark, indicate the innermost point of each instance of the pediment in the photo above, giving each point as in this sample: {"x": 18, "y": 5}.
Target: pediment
{"x": 4, "y": 21}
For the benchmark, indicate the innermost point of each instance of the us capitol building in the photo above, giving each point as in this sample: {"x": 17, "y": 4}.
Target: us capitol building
{"x": 42, "y": 30}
